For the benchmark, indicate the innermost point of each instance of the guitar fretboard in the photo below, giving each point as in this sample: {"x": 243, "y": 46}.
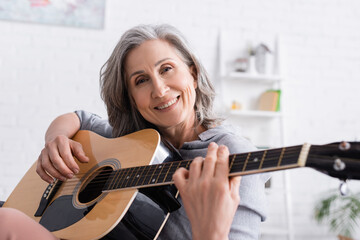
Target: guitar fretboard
{"x": 239, "y": 164}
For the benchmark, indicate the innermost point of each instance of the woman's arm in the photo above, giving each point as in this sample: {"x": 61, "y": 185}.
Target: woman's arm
{"x": 56, "y": 159}
{"x": 67, "y": 124}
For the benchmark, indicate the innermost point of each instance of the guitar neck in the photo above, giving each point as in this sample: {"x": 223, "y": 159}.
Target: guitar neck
{"x": 239, "y": 165}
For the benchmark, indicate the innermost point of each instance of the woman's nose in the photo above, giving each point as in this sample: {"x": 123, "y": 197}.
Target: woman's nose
{"x": 159, "y": 87}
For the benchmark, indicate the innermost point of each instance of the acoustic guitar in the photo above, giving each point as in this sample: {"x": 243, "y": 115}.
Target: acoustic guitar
{"x": 127, "y": 189}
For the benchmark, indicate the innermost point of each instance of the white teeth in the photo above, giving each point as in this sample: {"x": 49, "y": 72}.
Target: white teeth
{"x": 168, "y": 104}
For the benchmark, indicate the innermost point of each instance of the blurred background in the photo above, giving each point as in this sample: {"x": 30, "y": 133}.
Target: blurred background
{"x": 305, "y": 55}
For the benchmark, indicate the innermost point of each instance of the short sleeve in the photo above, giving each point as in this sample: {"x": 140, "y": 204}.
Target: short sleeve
{"x": 92, "y": 122}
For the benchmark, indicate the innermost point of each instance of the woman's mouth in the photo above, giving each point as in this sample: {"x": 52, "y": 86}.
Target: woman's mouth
{"x": 168, "y": 104}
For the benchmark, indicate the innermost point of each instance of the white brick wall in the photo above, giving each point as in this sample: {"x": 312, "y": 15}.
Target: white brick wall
{"x": 48, "y": 70}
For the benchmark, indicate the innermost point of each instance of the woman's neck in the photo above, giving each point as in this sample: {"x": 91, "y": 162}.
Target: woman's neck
{"x": 177, "y": 136}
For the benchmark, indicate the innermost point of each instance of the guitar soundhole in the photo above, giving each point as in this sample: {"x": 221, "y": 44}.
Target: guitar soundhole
{"x": 92, "y": 189}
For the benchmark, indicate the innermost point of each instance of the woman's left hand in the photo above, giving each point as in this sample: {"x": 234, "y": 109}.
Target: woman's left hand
{"x": 210, "y": 198}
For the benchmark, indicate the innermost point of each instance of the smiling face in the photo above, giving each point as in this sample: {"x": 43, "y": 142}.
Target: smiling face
{"x": 161, "y": 85}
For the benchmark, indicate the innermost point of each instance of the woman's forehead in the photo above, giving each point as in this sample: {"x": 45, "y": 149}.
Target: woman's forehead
{"x": 150, "y": 52}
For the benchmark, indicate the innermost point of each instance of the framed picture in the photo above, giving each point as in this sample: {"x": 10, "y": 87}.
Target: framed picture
{"x": 72, "y": 13}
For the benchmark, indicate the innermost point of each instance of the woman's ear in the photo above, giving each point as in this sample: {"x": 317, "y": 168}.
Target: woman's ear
{"x": 193, "y": 72}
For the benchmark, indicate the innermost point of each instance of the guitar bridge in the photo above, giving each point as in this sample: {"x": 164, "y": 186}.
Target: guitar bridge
{"x": 47, "y": 197}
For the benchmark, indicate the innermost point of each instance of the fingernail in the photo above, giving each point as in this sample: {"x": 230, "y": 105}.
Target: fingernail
{"x": 222, "y": 148}
{"x": 76, "y": 171}
{"x": 70, "y": 175}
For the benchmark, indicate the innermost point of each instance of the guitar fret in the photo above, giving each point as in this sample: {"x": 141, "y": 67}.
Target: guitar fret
{"x": 164, "y": 172}
{"x": 254, "y": 161}
{"x": 281, "y": 156}
{"x": 187, "y": 165}
{"x": 129, "y": 177}
{"x": 270, "y": 159}
{"x": 119, "y": 178}
{"x": 184, "y": 164}
{"x": 140, "y": 175}
{"x": 123, "y": 173}
{"x": 237, "y": 163}
{"x": 171, "y": 164}
{"x": 172, "y": 170}
{"x": 246, "y": 161}
{"x": 143, "y": 176}
{"x": 291, "y": 155}
{"x": 148, "y": 175}
{"x": 158, "y": 172}
{"x": 232, "y": 162}
{"x": 262, "y": 159}
{"x": 151, "y": 178}
{"x": 136, "y": 175}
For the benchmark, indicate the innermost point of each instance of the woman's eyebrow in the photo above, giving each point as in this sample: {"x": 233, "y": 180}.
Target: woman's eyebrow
{"x": 135, "y": 73}
{"x": 160, "y": 61}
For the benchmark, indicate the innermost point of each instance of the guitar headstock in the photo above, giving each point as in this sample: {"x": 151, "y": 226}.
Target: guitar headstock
{"x": 340, "y": 160}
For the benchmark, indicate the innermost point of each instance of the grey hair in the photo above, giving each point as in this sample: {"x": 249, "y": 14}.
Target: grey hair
{"x": 122, "y": 113}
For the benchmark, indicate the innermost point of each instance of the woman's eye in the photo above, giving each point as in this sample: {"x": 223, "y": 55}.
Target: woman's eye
{"x": 140, "y": 81}
{"x": 166, "y": 69}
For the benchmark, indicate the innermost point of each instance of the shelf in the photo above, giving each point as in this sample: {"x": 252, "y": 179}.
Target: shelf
{"x": 273, "y": 231}
{"x": 264, "y": 78}
{"x": 255, "y": 113}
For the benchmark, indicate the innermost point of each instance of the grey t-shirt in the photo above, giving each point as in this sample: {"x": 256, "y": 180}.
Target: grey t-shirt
{"x": 251, "y": 210}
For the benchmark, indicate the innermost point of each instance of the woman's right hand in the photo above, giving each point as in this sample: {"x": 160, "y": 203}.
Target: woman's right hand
{"x": 56, "y": 160}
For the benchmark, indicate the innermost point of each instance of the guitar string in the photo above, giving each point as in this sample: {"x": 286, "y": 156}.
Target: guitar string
{"x": 267, "y": 159}
{"x": 100, "y": 187}
{"x": 318, "y": 157}
{"x": 131, "y": 175}
{"x": 250, "y": 165}
{"x": 120, "y": 178}
{"x": 237, "y": 156}
{"x": 105, "y": 177}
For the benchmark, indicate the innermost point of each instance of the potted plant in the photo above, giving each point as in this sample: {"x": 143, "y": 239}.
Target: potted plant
{"x": 342, "y": 213}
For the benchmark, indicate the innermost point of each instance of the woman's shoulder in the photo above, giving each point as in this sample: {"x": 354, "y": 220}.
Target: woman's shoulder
{"x": 230, "y": 136}
{"x": 93, "y": 122}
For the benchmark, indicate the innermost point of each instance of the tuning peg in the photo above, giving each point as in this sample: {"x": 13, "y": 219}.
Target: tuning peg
{"x": 339, "y": 165}
{"x": 343, "y": 188}
{"x": 343, "y": 146}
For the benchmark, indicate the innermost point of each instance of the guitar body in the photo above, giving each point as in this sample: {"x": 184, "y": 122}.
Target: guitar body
{"x": 75, "y": 211}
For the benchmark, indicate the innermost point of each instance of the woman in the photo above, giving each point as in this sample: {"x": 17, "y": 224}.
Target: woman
{"x": 152, "y": 80}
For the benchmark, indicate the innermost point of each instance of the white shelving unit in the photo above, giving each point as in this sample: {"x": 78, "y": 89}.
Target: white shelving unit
{"x": 270, "y": 126}
{"x": 246, "y": 89}
{"x": 255, "y": 113}
{"x": 263, "y": 128}
{"x": 259, "y": 78}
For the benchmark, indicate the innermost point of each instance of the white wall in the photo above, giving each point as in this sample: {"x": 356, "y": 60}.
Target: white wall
{"x": 48, "y": 70}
